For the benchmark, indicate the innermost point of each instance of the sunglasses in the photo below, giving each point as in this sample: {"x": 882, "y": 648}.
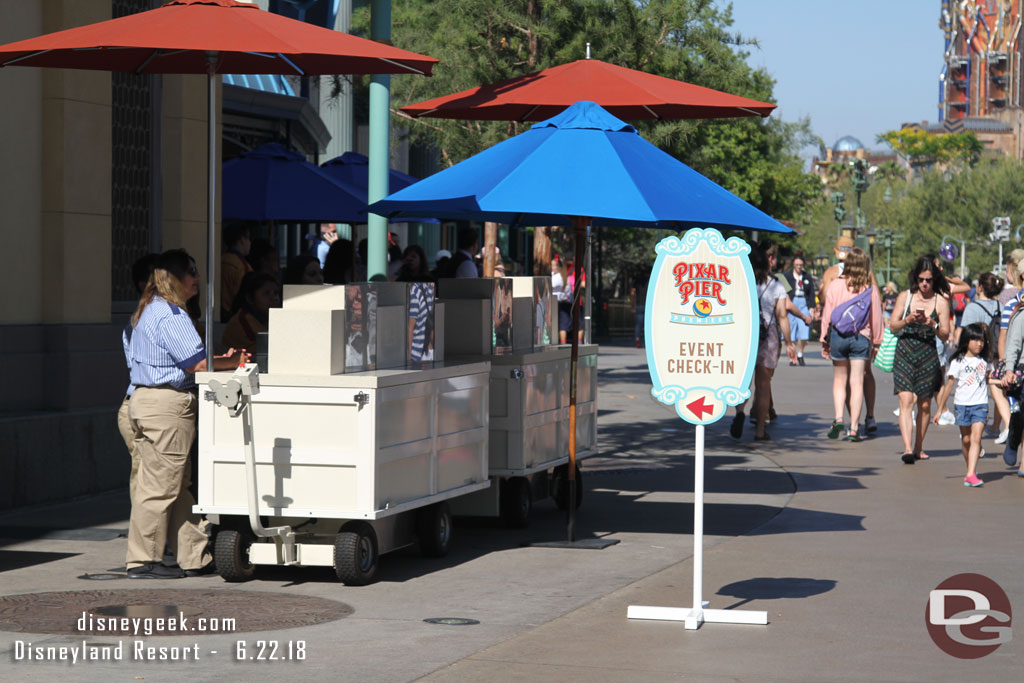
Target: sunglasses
{"x": 193, "y": 271}
{"x": 924, "y": 279}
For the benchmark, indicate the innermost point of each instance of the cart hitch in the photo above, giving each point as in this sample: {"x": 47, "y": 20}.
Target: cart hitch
{"x": 236, "y": 395}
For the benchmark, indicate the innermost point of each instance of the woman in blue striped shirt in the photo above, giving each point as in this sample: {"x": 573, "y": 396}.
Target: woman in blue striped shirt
{"x": 165, "y": 352}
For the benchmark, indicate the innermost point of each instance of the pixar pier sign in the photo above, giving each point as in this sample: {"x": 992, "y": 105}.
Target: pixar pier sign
{"x": 701, "y": 346}
{"x": 700, "y": 324}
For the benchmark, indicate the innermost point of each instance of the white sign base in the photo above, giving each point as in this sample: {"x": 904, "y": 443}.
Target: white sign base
{"x": 695, "y": 616}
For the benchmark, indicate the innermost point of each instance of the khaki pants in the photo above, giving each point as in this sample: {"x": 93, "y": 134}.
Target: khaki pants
{"x": 124, "y": 425}
{"x": 164, "y": 424}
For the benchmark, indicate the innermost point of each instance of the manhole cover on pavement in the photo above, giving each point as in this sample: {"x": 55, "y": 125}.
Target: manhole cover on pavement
{"x": 127, "y": 612}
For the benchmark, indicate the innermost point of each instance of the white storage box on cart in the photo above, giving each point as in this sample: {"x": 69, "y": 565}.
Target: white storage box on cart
{"x": 529, "y": 429}
{"x": 321, "y": 451}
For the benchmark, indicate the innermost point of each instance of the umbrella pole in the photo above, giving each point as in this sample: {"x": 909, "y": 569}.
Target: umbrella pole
{"x": 580, "y": 228}
{"x": 579, "y": 231}
{"x": 588, "y": 312}
{"x": 211, "y": 203}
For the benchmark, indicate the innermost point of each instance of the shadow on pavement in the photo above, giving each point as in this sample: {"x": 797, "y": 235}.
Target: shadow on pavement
{"x": 797, "y": 520}
{"x": 764, "y": 588}
{"x": 17, "y": 559}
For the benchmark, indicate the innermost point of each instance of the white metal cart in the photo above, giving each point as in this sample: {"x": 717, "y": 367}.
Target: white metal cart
{"x": 346, "y": 466}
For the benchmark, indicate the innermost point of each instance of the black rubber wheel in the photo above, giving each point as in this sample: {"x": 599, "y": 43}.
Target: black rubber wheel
{"x": 231, "y": 555}
{"x": 516, "y": 502}
{"x": 434, "y": 529}
{"x": 561, "y": 487}
{"x": 355, "y": 554}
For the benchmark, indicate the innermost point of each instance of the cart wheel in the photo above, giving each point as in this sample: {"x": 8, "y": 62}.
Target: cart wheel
{"x": 355, "y": 554}
{"x": 231, "y": 555}
{"x": 516, "y": 502}
{"x": 434, "y": 529}
{"x": 561, "y": 486}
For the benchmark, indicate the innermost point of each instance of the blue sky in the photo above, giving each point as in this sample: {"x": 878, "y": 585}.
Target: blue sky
{"x": 856, "y": 67}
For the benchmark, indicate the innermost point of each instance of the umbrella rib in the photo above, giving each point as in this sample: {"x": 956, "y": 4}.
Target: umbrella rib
{"x": 154, "y": 55}
{"x": 527, "y": 115}
{"x": 146, "y": 61}
{"x": 29, "y": 56}
{"x": 292, "y": 64}
{"x": 651, "y": 112}
{"x": 404, "y": 66}
{"x": 750, "y": 111}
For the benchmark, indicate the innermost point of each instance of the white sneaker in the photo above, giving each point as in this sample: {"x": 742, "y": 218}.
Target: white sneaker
{"x": 1003, "y": 435}
{"x": 982, "y": 454}
{"x": 946, "y": 419}
{"x": 896, "y": 412}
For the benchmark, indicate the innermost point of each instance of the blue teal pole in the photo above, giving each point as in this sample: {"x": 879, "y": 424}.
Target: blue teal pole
{"x": 380, "y": 145}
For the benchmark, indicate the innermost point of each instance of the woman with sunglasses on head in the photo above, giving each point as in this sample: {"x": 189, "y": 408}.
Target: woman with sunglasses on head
{"x": 919, "y": 317}
{"x": 164, "y": 353}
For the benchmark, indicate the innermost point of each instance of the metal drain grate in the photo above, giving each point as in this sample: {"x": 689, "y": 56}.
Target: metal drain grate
{"x": 452, "y": 621}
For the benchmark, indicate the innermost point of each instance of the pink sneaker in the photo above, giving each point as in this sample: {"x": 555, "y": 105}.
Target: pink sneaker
{"x": 973, "y": 480}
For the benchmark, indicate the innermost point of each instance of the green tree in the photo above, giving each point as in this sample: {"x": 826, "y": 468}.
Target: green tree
{"x": 890, "y": 170}
{"x": 962, "y": 205}
{"x": 924, "y": 149}
{"x": 481, "y": 41}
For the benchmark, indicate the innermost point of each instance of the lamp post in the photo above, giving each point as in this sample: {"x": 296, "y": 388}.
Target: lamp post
{"x": 1000, "y": 233}
{"x": 886, "y": 238}
{"x": 820, "y": 262}
{"x": 838, "y": 210}
{"x": 860, "y": 186}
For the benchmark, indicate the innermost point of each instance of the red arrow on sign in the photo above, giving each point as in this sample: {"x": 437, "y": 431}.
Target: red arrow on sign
{"x": 698, "y": 408}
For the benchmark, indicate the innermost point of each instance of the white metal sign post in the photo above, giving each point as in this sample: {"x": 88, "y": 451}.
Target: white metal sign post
{"x": 701, "y": 333}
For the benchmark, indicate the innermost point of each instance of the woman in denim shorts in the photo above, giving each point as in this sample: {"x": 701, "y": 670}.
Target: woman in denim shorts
{"x": 851, "y": 353}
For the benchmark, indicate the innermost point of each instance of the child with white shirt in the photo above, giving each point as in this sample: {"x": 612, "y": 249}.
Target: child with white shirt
{"x": 968, "y": 371}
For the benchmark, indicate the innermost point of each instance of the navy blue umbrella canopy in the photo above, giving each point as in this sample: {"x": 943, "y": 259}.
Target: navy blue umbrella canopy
{"x": 353, "y": 170}
{"x": 583, "y": 162}
{"x": 273, "y": 183}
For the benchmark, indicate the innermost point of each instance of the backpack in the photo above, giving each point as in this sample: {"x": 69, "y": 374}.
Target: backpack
{"x": 994, "y": 323}
{"x": 851, "y": 317}
{"x": 452, "y": 266}
{"x": 959, "y": 302}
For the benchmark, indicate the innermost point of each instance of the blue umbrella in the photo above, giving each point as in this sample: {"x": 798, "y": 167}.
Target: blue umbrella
{"x": 583, "y": 162}
{"x": 273, "y": 183}
{"x": 353, "y": 170}
{"x": 582, "y": 166}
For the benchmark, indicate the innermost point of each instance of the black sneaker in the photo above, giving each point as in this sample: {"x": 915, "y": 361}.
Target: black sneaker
{"x": 155, "y": 570}
{"x": 208, "y": 568}
{"x": 736, "y": 428}
{"x": 800, "y": 360}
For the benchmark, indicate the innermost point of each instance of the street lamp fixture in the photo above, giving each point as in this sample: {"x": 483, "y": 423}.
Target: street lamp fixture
{"x": 821, "y": 261}
{"x": 1000, "y": 233}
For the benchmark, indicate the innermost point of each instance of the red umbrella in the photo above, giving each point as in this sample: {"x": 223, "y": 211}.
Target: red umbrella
{"x": 211, "y": 37}
{"x": 626, "y": 93}
{"x": 181, "y": 36}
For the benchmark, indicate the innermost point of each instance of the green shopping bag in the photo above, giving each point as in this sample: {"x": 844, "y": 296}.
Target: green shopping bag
{"x": 886, "y": 352}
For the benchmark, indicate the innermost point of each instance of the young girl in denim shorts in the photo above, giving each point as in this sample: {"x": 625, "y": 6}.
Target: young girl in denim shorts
{"x": 968, "y": 371}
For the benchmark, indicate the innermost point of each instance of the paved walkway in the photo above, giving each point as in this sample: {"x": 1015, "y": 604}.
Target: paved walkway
{"x": 839, "y": 542}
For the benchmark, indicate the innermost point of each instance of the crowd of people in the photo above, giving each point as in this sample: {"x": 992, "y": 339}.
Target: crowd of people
{"x": 946, "y": 338}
